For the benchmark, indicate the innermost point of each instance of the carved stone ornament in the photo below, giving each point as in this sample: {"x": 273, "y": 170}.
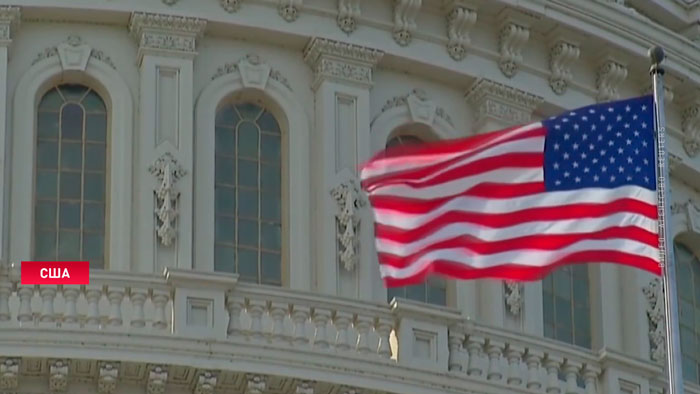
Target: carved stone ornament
{"x": 168, "y": 171}
{"x": 169, "y": 2}
{"x": 231, "y": 6}
{"x": 657, "y": 321}
{"x": 256, "y": 384}
{"x": 107, "y": 380}
{"x": 305, "y": 387}
{"x": 513, "y": 297}
{"x": 348, "y": 12}
{"x": 348, "y": 195}
{"x": 691, "y": 129}
{"x": 58, "y": 375}
{"x": 405, "y": 12}
{"x": 9, "y": 374}
{"x": 205, "y": 383}
{"x": 460, "y": 22}
{"x": 561, "y": 56}
{"x": 10, "y": 18}
{"x": 691, "y": 215}
{"x": 340, "y": 61}
{"x": 289, "y": 10}
{"x": 254, "y": 72}
{"x": 611, "y": 75}
{"x": 74, "y": 54}
{"x": 512, "y": 38}
{"x": 163, "y": 34}
{"x": 157, "y": 378}
{"x": 504, "y": 104}
{"x": 420, "y": 107}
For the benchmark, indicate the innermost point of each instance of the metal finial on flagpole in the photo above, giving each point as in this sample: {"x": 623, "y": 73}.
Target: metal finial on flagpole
{"x": 673, "y": 348}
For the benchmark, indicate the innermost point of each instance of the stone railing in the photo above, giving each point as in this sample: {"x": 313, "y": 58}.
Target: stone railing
{"x": 207, "y": 309}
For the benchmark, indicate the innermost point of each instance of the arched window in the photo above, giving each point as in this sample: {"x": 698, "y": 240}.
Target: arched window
{"x": 248, "y": 193}
{"x": 70, "y": 179}
{"x": 434, "y": 290}
{"x": 566, "y": 305}
{"x": 688, "y": 278}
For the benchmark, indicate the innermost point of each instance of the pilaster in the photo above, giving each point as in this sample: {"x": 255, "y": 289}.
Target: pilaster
{"x": 344, "y": 249}
{"x": 167, "y": 47}
{"x": 497, "y": 106}
{"x": 9, "y": 22}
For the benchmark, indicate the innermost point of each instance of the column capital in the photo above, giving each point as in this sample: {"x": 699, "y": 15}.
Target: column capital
{"x": 9, "y": 22}
{"x": 169, "y": 35}
{"x": 494, "y": 102}
{"x": 341, "y": 61}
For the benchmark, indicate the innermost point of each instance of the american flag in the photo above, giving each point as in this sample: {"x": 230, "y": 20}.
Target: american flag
{"x": 514, "y": 204}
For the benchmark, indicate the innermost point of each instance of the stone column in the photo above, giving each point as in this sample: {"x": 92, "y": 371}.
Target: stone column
{"x": 9, "y": 21}
{"x": 496, "y": 106}
{"x": 164, "y": 150}
{"x": 344, "y": 252}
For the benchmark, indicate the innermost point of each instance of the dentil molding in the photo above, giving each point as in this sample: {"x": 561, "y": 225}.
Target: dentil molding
{"x": 9, "y": 22}
{"x": 460, "y": 22}
{"x": 341, "y": 61}
{"x": 348, "y": 13}
{"x": 405, "y": 12}
{"x": 504, "y": 104}
{"x": 161, "y": 34}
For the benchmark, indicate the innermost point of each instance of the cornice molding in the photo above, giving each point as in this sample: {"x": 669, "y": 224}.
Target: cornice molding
{"x": 161, "y": 34}
{"x": 341, "y": 61}
{"x": 10, "y": 18}
{"x": 508, "y": 105}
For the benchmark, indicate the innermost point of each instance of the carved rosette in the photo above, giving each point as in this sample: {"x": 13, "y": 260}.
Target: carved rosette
{"x": 691, "y": 129}
{"x": 159, "y": 33}
{"x": 513, "y": 297}
{"x": 347, "y": 194}
{"x": 341, "y": 61}
{"x": 157, "y": 378}
{"x": 657, "y": 321}
{"x": 511, "y": 40}
{"x": 58, "y": 375}
{"x": 561, "y": 56}
{"x": 611, "y": 74}
{"x": 230, "y": 6}
{"x": 348, "y": 12}
{"x": 405, "y": 12}
{"x": 289, "y": 10}
{"x": 503, "y": 104}
{"x": 107, "y": 380}
{"x": 9, "y": 374}
{"x": 167, "y": 171}
{"x": 460, "y": 22}
{"x": 10, "y": 18}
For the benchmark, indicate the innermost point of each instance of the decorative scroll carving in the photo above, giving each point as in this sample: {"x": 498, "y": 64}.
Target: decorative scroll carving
{"x": 10, "y": 18}
{"x": 561, "y": 56}
{"x": 161, "y": 33}
{"x": 422, "y": 109}
{"x": 205, "y": 383}
{"x": 231, "y": 6}
{"x": 254, "y": 72}
{"x": 168, "y": 171}
{"x": 347, "y": 194}
{"x": 657, "y": 323}
{"x": 256, "y": 384}
{"x": 341, "y": 61}
{"x": 611, "y": 74}
{"x": 691, "y": 129}
{"x": 58, "y": 375}
{"x": 405, "y": 12}
{"x": 513, "y": 297}
{"x": 460, "y": 22}
{"x": 289, "y": 9}
{"x": 107, "y": 380}
{"x": 504, "y": 104}
{"x": 9, "y": 374}
{"x": 511, "y": 40}
{"x": 157, "y": 378}
{"x": 348, "y": 12}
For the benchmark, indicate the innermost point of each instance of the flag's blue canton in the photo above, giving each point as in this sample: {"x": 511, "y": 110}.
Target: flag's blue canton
{"x": 604, "y": 145}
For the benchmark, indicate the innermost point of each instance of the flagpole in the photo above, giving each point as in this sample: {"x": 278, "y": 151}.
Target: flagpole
{"x": 673, "y": 348}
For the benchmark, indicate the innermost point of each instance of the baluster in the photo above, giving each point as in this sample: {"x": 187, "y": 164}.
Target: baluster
{"x": 513, "y": 354}
{"x": 383, "y": 327}
{"x": 320, "y": 318}
{"x": 571, "y": 370}
{"x": 235, "y": 306}
{"x": 552, "y": 364}
{"x": 300, "y": 314}
{"x": 138, "y": 299}
{"x": 5, "y": 292}
{"x": 533, "y": 358}
{"x": 590, "y": 378}
{"x": 278, "y": 311}
{"x": 455, "y": 341}
{"x": 341, "y": 320}
{"x": 25, "y": 292}
{"x": 93, "y": 295}
{"x": 474, "y": 346}
{"x": 160, "y": 299}
{"x": 494, "y": 349}
{"x": 255, "y": 309}
{"x": 115, "y": 295}
{"x": 362, "y": 325}
{"x": 70, "y": 294}
{"x": 48, "y": 296}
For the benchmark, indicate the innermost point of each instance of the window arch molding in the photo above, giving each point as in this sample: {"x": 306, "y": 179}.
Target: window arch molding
{"x": 293, "y": 121}
{"x": 112, "y": 88}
